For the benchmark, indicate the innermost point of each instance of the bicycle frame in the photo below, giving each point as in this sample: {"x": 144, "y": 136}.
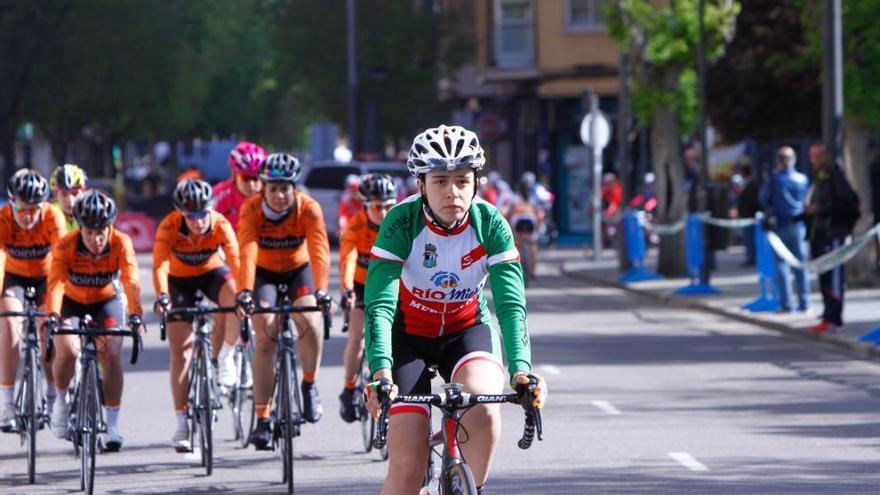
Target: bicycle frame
{"x": 86, "y": 418}
{"x": 202, "y": 394}
{"x": 30, "y": 405}
{"x": 451, "y": 402}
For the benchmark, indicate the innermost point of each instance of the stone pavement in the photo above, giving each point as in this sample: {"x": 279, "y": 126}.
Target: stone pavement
{"x": 738, "y": 286}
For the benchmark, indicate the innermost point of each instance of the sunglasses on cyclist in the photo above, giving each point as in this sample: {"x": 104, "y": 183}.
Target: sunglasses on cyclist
{"x": 377, "y": 206}
{"x": 25, "y": 210}
{"x": 196, "y": 215}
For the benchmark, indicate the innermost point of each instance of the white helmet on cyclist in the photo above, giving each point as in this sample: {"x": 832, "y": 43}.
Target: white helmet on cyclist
{"x": 445, "y": 148}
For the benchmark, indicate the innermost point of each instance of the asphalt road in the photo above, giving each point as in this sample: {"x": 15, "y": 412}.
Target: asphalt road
{"x": 644, "y": 399}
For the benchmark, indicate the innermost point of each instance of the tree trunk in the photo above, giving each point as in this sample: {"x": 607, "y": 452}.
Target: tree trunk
{"x": 862, "y": 270}
{"x": 671, "y": 197}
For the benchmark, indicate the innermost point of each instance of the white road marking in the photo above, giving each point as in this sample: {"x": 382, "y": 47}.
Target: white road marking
{"x": 550, "y": 369}
{"x": 606, "y": 407}
{"x": 688, "y": 461}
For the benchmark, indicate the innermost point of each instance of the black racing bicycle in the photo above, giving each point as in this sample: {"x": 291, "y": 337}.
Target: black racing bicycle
{"x": 31, "y": 413}
{"x": 287, "y": 415}
{"x": 203, "y": 398}
{"x": 455, "y": 476}
{"x": 367, "y": 421}
{"x": 86, "y": 416}
{"x": 241, "y": 395}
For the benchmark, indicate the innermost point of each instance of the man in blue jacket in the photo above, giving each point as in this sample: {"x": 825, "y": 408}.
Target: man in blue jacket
{"x": 783, "y": 196}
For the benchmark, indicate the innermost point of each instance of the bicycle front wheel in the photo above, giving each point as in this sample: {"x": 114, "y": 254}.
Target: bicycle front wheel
{"x": 368, "y": 423}
{"x": 459, "y": 480}
{"x": 287, "y": 418}
{"x": 87, "y": 426}
{"x": 242, "y": 401}
{"x": 206, "y": 413}
{"x": 32, "y": 397}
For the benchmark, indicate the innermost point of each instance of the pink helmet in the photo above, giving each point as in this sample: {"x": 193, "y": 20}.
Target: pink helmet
{"x": 246, "y": 159}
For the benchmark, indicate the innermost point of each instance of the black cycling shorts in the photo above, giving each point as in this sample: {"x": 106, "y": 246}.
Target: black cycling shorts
{"x": 413, "y": 355}
{"x": 526, "y": 225}
{"x": 299, "y": 284}
{"x": 183, "y": 290}
{"x": 15, "y": 285}
{"x": 359, "y": 296}
{"x": 109, "y": 313}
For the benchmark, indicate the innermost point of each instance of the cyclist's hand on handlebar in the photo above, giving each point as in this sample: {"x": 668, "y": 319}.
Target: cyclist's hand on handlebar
{"x": 531, "y": 388}
{"x": 136, "y": 323}
{"x": 346, "y": 299}
{"x": 163, "y": 304}
{"x": 244, "y": 303}
{"x": 325, "y": 301}
{"x": 380, "y": 390}
{"x": 53, "y": 321}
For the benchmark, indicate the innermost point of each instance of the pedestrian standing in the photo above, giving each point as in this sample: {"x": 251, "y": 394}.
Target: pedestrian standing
{"x": 832, "y": 210}
{"x": 747, "y": 206}
{"x": 783, "y": 197}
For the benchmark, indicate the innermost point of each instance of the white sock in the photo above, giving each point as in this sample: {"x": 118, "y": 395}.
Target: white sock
{"x": 7, "y": 395}
{"x": 61, "y": 397}
{"x": 50, "y": 390}
{"x": 182, "y": 420}
{"x": 225, "y": 351}
{"x": 111, "y": 414}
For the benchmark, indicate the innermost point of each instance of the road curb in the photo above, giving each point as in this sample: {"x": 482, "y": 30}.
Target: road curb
{"x": 859, "y": 349}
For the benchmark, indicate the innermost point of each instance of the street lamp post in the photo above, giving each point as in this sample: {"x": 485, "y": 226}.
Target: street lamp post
{"x": 702, "y": 191}
{"x": 352, "y": 76}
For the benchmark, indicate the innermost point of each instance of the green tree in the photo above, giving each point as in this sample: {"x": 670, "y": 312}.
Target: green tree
{"x": 402, "y": 52}
{"x": 763, "y": 87}
{"x": 660, "y": 39}
{"x": 861, "y": 121}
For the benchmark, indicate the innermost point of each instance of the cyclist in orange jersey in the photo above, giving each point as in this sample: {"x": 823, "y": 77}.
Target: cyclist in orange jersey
{"x": 283, "y": 240}
{"x": 186, "y": 259}
{"x": 28, "y": 228}
{"x": 88, "y": 266}
{"x": 378, "y": 193}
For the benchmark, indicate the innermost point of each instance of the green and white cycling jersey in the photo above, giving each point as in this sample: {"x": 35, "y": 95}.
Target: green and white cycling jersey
{"x": 424, "y": 282}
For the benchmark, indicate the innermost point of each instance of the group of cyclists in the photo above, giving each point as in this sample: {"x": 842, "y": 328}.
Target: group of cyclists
{"x": 412, "y": 273}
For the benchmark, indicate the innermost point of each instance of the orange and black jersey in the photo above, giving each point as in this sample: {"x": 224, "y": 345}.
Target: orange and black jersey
{"x": 28, "y": 253}
{"x": 87, "y": 279}
{"x": 181, "y": 253}
{"x": 280, "y": 246}
{"x": 354, "y": 250}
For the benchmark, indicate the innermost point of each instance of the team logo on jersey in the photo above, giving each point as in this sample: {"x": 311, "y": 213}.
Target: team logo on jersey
{"x": 430, "y": 255}
{"x": 445, "y": 280}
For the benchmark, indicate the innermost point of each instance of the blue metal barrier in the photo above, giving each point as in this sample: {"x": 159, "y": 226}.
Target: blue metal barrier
{"x": 873, "y": 337}
{"x": 765, "y": 262}
{"x": 634, "y": 240}
{"x": 696, "y": 259}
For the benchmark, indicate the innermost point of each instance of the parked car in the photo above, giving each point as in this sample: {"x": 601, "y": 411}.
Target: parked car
{"x": 325, "y": 181}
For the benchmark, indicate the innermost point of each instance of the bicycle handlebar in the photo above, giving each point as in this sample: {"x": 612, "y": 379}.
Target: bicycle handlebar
{"x": 98, "y": 332}
{"x": 34, "y": 313}
{"x": 461, "y": 401}
{"x": 285, "y": 309}
{"x": 193, "y": 311}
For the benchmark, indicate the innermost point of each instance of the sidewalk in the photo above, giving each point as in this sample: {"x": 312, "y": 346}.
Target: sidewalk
{"x": 739, "y": 286}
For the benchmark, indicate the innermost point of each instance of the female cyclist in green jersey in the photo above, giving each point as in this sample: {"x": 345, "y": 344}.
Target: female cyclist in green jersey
{"x": 425, "y": 304}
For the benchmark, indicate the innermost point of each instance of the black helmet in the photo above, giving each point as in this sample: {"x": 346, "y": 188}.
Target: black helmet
{"x": 280, "y": 167}
{"x": 193, "y": 195}
{"x": 29, "y": 186}
{"x": 95, "y": 209}
{"x": 377, "y": 187}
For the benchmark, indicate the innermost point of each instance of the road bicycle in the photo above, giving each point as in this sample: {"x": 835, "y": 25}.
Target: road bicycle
{"x": 454, "y": 476}
{"x": 30, "y": 405}
{"x": 86, "y": 415}
{"x": 241, "y": 394}
{"x": 367, "y": 421}
{"x": 203, "y": 399}
{"x": 287, "y": 415}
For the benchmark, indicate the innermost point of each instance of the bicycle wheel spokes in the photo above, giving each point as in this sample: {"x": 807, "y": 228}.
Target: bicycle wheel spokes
{"x": 206, "y": 413}
{"x": 287, "y": 421}
{"x": 368, "y": 424}
{"x": 32, "y": 398}
{"x": 88, "y": 426}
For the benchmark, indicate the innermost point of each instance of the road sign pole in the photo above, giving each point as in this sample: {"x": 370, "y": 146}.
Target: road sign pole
{"x": 597, "y": 179}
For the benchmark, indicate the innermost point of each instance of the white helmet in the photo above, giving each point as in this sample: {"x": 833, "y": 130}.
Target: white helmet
{"x": 445, "y": 148}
